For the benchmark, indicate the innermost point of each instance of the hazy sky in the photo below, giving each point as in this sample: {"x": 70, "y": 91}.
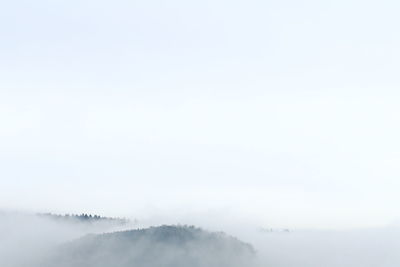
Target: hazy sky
{"x": 283, "y": 112}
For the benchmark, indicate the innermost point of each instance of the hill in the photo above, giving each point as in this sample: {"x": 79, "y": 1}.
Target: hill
{"x": 163, "y": 246}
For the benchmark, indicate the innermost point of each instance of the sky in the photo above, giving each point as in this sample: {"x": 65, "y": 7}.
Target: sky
{"x": 284, "y": 113}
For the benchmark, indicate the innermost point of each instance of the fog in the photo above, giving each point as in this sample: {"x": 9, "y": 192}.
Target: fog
{"x": 353, "y": 248}
{"x": 26, "y": 237}
{"x": 276, "y": 123}
{"x": 37, "y": 241}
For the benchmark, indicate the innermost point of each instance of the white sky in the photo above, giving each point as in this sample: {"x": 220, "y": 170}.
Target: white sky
{"x": 284, "y": 112}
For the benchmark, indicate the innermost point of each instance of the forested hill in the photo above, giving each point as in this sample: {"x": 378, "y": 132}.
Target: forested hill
{"x": 164, "y": 246}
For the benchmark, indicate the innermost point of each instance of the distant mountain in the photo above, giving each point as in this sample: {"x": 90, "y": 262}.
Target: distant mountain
{"x": 164, "y": 246}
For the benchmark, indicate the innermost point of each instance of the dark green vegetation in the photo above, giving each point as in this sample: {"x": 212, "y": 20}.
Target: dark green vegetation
{"x": 82, "y": 218}
{"x": 164, "y": 246}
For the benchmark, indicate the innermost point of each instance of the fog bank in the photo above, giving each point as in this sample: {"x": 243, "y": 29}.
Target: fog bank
{"x": 27, "y": 239}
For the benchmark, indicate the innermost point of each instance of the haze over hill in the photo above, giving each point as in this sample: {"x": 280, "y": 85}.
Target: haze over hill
{"x": 77, "y": 241}
{"x": 167, "y": 246}
{"x": 48, "y": 241}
